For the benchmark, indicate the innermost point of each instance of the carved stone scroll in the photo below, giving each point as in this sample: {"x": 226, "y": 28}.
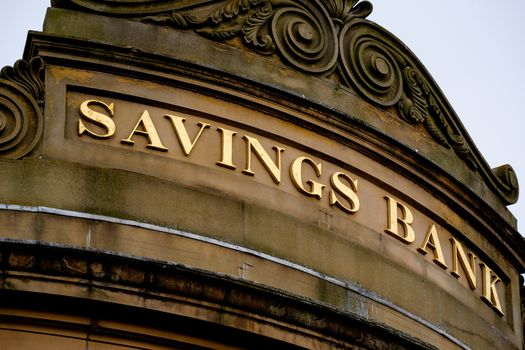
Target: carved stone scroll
{"x": 507, "y": 182}
{"x": 320, "y": 36}
{"x": 323, "y": 38}
{"x": 21, "y": 120}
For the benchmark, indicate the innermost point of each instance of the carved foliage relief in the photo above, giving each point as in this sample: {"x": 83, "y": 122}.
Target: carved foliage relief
{"x": 332, "y": 36}
{"x": 323, "y": 38}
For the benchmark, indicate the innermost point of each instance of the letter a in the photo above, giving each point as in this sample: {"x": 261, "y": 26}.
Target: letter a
{"x": 432, "y": 241}
{"x": 148, "y": 130}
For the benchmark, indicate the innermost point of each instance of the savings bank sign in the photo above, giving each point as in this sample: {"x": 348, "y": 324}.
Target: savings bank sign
{"x": 101, "y": 120}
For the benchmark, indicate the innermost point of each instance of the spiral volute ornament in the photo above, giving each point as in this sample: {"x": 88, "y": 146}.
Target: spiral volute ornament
{"x": 369, "y": 66}
{"x": 306, "y": 41}
{"x": 508, "y": 182}
{"x": 21, "y": 120}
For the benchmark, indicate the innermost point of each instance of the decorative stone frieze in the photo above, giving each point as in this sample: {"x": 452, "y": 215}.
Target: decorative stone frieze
{"x": 331, "y": 39}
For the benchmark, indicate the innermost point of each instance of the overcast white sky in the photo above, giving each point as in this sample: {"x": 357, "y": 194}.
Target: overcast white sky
{"x": 474, "y": 49}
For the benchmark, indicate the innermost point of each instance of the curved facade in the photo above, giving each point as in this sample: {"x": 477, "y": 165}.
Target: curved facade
{"x": 244, "y": 174}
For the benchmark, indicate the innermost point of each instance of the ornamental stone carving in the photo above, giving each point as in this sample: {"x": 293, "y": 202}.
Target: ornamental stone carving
{"x": 21, "y": 98}
{"x": 321, "y": 37}
{"x": 331, "y": 39}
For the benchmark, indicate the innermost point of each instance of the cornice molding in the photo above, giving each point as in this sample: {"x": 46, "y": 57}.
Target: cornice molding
{"x": 107, "y": 273}
{"x": 21, "y": 102}
{"x": 331, "y": 39}
{"x": 127, "y": 7}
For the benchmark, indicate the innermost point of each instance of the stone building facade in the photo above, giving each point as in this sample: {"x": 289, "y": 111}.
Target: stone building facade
{"x": 244, "y": 174}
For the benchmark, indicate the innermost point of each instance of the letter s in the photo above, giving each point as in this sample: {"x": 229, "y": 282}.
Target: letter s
{"x": 349, "y": 193}
{"x": 97, "y": 118}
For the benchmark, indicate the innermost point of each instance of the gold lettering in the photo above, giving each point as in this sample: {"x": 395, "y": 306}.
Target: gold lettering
{"x": 405, "y": 221}
{"x": 227, "y": 148}
{"x": 459, "y": 254}
{"x": 316, "y": 188}
{"x": 274, "y": 169}
{"x": 489, "y": 293}
{"x": 432, "y": 241}
{"x": 148, "y": 130}
{"x": 182, "y": 134}
{"x": 97, "y": 118}
{"x": 348, "y": 193}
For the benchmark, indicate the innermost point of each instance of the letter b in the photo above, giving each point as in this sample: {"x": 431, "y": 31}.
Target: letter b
{"x": 405, "y": 221}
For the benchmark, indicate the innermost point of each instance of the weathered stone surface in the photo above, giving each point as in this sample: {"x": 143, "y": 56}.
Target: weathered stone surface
{"x": 169, "y": 282}
{"x": 268, "y": 172}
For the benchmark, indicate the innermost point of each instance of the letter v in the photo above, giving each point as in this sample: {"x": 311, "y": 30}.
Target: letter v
{"x": 184, "y": 140}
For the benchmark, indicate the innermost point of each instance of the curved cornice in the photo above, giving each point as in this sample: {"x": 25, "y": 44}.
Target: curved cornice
{"x": 127, "y": 7}
{"x": 331, "y": 39}
{"x": 101, "y": 276}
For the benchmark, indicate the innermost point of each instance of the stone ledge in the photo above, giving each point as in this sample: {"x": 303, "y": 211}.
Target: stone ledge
{"x": 100, "y": 276}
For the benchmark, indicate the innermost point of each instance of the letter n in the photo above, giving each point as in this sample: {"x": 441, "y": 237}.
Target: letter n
{"x": 459, "y": 257}
{"x": 273, "y": 168}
